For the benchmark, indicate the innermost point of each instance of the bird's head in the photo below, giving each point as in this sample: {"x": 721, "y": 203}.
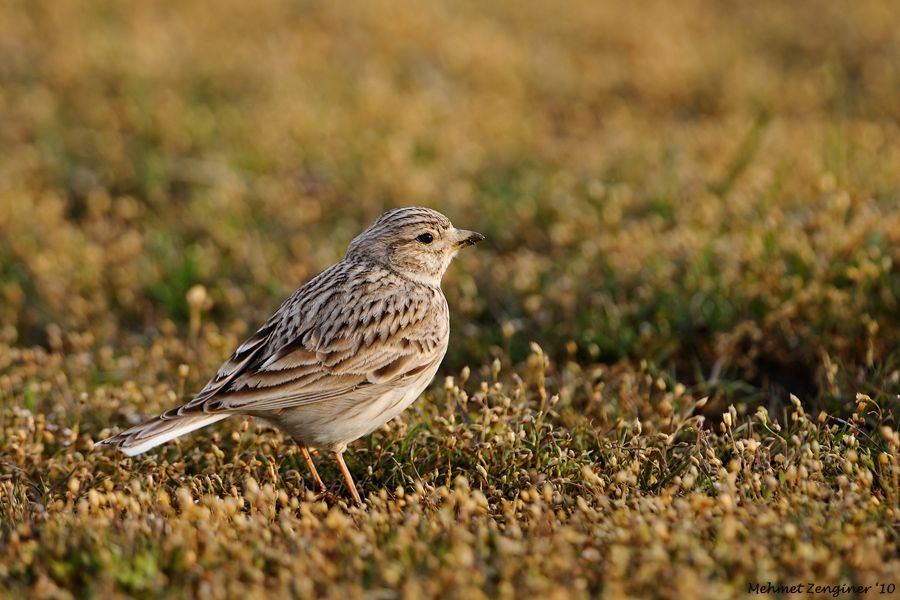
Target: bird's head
{"x": 419, "y": 243}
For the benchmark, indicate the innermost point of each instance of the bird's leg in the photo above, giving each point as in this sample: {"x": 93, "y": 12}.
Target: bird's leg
{"x": 320, "y": 487}
{"x": 339, "y": 456}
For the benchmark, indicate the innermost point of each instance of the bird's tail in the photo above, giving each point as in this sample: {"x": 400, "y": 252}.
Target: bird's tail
{"x": 159, "y": 431}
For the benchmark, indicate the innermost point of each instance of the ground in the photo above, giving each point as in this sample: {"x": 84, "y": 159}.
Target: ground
{"x": 673, "y": 369}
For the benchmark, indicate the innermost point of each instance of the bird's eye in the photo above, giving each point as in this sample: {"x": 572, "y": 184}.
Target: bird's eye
{"x": 426, "y": 238}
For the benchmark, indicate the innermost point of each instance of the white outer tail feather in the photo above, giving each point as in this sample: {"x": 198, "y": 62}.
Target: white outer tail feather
{"x": 131, "y": 443}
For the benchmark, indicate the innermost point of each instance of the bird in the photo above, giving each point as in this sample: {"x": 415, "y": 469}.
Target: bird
{"x": 347, "y": 352}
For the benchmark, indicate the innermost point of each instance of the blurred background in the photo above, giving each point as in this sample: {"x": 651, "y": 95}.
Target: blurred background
{"x": 709, "y": 187}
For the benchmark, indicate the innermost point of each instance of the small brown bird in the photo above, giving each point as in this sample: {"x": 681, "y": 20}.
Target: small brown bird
{"x": 346, "y": 353}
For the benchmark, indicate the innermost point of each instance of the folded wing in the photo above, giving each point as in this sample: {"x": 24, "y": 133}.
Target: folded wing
{"x": 343, "y": 346}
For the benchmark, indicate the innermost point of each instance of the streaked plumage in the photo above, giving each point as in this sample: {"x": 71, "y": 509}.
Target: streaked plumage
{"x": 347, "y": 352}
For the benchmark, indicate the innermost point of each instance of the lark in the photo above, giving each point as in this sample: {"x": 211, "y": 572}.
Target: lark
{"x": 347, "y": 352}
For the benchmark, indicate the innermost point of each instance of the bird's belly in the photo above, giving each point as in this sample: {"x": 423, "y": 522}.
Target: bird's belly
{"x": 335, "y": 423}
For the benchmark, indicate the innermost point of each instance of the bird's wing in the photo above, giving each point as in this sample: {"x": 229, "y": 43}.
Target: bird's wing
{"x": 346, "y": 345}
{"x": 246, "y": 353}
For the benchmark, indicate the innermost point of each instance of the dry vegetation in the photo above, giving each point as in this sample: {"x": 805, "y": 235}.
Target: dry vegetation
{"x": 683, "y": 201}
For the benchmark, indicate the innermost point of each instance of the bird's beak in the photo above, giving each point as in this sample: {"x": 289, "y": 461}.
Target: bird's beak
{"x": 467, "y": 238}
